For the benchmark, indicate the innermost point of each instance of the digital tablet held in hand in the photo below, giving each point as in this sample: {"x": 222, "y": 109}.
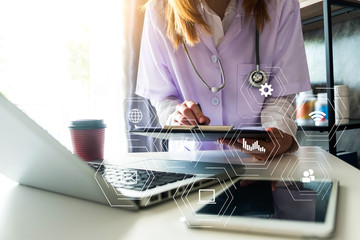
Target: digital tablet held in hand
{"x": 201, "y": 132}
{"x": 290, "y": 208}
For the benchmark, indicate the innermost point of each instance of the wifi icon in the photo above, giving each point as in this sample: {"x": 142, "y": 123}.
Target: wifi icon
{"x": 317, "y": 116}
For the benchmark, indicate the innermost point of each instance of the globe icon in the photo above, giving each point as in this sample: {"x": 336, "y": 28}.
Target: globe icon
{"x": 135, "y": 115}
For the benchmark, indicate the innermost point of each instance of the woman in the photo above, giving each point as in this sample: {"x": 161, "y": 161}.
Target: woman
{"x": 191, "y": 47}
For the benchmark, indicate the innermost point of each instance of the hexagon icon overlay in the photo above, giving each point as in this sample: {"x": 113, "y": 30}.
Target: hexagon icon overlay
{"x": 116, "y": 181}
{"x": 293, "y": 176}
{"x": 189, "y": 146}
{"x": 184, "y": 201}
{"x": 231, "y": 152}
{"x": 324, "y": 138}
{"x": 252, "y": 95}
{"x": 139, "y": 113}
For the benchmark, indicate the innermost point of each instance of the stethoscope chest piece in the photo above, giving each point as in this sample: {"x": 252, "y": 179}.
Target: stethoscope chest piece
{"x": 257, "y": 78}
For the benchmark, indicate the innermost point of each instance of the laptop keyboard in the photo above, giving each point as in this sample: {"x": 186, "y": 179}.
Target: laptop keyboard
{"x": 137, "y": 179}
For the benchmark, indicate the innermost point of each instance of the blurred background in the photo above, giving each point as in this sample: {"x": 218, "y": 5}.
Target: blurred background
{"x": 69, "y": 59}
{"x": 75, "y": 59}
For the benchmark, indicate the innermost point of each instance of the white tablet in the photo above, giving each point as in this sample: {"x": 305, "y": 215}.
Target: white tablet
{"x": 284, "y": 207}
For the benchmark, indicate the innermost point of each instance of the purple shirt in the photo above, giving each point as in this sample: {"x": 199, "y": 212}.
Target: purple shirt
{"x": 165, "y": 72}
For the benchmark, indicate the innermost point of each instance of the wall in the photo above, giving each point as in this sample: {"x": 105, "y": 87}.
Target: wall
{"x": 346, "y": 40}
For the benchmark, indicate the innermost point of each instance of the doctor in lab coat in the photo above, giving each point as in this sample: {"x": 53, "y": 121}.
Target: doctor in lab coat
{"x": 224, "y": 30}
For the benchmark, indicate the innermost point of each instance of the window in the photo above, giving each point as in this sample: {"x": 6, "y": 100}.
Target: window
{"x": 63, "y": 60}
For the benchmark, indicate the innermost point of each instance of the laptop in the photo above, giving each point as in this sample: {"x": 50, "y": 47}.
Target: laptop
{"x": 32, "y": 157}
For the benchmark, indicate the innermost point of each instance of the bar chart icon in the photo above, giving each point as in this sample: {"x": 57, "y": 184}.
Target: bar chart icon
{"x": 254, "y": 147}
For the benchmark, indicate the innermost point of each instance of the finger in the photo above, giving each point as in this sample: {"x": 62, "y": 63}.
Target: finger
{"x": 175, "y": 123}
{"x": 231, "y": 143}
{"x": 207, "y": 121}
{"x": 182, "y": 122}
{"x": 187, "y": 113}
{"x": 199, "y": 116}
{"x": 181, "y": 119}
{"x": 274, "y": 143}
{"x": 274, "y": 133}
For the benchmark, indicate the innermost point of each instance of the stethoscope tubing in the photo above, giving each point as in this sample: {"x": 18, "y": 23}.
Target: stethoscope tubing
{"x": 252, "y": 81}
{"x": 223, "y": 79}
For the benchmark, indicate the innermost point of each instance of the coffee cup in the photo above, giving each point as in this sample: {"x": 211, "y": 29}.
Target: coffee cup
{"x": 88, "y": 138}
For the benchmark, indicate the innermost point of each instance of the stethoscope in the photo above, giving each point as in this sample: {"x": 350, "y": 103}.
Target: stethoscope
{"x": 256, "y": 77}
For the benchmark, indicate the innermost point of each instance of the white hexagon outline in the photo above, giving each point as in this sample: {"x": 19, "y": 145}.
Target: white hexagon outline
{"x": 263, "y": 165}
{"x": 291, "y": 179}
{"x": 185, "y": 195}
{"x": 187, "y": 192}
{"x": 149, "y": 180}
{"x": 194, "y": 153}
{"x": 127, "y": 106}
{"x": 325, "y": 175}
{"x": 320, "y": 138}
{"x": 168, "y": 131}
{"x": 275, "y": 78}
{"x": 253, "y": 164}
{"x": 104, "y": 192}
{"x": 281, "y": 92}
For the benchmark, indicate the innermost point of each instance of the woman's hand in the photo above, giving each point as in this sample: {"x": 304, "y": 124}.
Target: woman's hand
{"x": 189, "y": 113}
{"x": 278, "y": 143}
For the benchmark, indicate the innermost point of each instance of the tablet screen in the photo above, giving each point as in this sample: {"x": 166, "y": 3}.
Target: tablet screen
{"x": 300, "y": 201}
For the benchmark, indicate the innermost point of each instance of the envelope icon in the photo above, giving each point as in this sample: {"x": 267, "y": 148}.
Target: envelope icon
{"x": 128, "y": 177}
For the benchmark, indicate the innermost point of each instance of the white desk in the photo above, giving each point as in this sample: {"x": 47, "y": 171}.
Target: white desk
{"x": 27, "y": 213}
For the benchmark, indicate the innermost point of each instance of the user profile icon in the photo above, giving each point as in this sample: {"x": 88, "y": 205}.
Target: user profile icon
{"x": 207, "y": 196}
{"x": 308, "y": 176}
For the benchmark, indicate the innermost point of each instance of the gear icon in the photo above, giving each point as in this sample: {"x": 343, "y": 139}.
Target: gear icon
{"x": 266, "y": 90}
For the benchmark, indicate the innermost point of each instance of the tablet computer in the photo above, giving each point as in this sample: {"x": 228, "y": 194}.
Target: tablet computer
{"x": 201, "y": 133}
{"x": 290, "y": 208}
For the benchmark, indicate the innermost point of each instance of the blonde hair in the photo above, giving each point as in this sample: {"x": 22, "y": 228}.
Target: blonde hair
{"x": 182, "y": 17}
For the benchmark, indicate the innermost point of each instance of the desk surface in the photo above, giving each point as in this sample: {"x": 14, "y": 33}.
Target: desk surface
{"x": 27, "y": 213}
